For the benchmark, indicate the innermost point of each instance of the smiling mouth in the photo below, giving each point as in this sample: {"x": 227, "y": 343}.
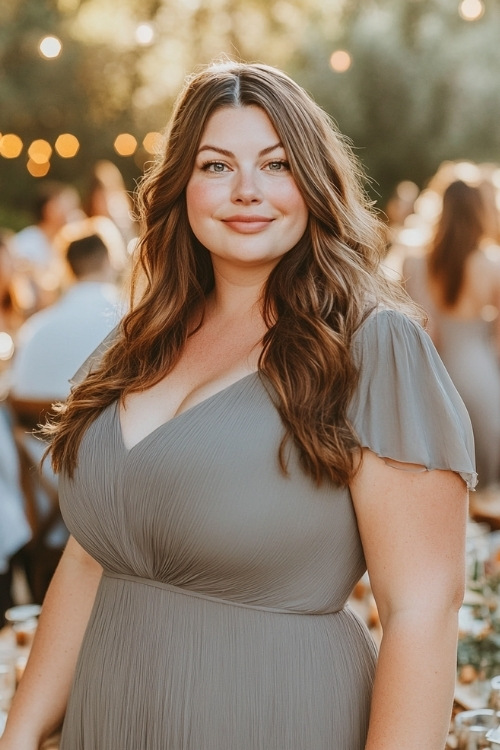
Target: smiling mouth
{"x": 247, "y": 224}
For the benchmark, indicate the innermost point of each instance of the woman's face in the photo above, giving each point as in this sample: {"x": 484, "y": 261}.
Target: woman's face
{"x": 242, "y": 201}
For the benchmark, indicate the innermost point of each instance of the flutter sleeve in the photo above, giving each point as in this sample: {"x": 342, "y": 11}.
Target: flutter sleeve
{"x": 94, "y": 359}
{"x": 406, "y": 407}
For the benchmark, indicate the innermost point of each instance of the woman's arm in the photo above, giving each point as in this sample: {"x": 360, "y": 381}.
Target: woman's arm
{"x": 412, "y": 526}
{"x": 40, "y": 701}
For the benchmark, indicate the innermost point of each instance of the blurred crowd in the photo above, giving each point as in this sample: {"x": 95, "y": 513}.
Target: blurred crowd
{"x": 63, "y": 288}
{"x": 63, "y": 283}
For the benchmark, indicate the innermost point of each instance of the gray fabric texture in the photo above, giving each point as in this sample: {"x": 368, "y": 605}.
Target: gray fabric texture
{"x": 221, "y": 622}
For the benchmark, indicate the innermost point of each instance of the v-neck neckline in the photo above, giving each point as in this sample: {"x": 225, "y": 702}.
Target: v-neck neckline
{"x": 177, "y": 417}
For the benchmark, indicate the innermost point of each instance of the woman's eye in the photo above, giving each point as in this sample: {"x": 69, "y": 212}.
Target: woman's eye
{"x": 214, "y": 166}
{"x": 279, "y": 166}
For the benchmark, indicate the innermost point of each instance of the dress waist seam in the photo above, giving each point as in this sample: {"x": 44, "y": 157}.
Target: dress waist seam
{"x": 215, "y": 599}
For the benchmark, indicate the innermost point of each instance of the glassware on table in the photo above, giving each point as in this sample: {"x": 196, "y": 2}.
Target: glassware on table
{"x": 22, "y": 613}
{"x": 493, "y": 737}
{"x": 472, "y": 728}
{"x": 25, "y": 631}
{"x": 24, "y": 620}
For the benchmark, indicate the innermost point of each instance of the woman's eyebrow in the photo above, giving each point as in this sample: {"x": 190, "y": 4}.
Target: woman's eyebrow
{"x": 225, "y": 152}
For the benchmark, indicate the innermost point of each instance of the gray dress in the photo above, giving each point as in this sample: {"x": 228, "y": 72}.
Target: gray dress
{"x": 221, "y": 622}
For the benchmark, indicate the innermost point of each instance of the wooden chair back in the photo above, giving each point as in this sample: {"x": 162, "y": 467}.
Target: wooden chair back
{"x": 37, "y": 558}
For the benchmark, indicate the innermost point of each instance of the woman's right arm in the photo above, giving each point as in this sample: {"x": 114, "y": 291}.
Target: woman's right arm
{"x": 40, "y": 701}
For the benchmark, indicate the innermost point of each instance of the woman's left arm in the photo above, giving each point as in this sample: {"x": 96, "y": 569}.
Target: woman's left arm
{"x": 412, "y": 525}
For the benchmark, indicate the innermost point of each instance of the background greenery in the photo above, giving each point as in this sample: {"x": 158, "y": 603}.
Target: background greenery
{"x": 423, "y": 86}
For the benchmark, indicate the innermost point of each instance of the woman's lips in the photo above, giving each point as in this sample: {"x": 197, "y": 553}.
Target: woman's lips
{"x": 247, "y": 224}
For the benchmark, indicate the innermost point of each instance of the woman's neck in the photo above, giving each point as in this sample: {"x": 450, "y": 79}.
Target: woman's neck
{"x": 233, "y": 299}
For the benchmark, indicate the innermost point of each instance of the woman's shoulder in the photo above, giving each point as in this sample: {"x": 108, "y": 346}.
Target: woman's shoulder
{"x": 405, "y": 405}
{"x": 383, "y": 320}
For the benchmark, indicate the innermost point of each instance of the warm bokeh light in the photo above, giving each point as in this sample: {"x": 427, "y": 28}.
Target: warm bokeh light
{"x": 152, "y": 142}
{"x": 495, "y": 178}
{"x": 38, "y": 170}
{"x": 6, "y": 346}
{"x": 467, "y": 171}
{"x": 50, "y": 47}
{"x": 471, "y": 10}
{"x": 125, "y": 144}
{"x": 67, "y": 145}
{"x": 340, "y": 61}
{"x": 10, "y": 146}
{"x": 40, "y": 151}
{"x": 428, "y": 206}
{"x": 144, "y": 34}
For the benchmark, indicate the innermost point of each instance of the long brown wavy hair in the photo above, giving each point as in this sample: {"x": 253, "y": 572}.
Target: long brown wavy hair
{"x": 314, "y": 299}
{"x": 458, "y": 232}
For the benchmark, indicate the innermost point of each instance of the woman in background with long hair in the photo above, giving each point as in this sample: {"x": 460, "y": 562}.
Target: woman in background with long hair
{"x": 458, "y": 284}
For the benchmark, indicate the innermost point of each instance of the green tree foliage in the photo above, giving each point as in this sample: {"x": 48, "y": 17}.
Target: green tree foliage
{"x": 423, "y": 86}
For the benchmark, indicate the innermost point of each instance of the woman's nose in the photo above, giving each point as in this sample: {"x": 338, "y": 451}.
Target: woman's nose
{"x": 246, "y": 187}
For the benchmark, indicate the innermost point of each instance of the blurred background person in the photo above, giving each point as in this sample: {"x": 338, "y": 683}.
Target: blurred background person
{"x": 399, "y": 211}
{"x": 457, "y": 282}
{"x": 54, "y": 342}
{"x": 107, "y": 196}
{"x": 118, "y": 256}
{"x": 10, "y": 314}
{"x": 35, "y": 246}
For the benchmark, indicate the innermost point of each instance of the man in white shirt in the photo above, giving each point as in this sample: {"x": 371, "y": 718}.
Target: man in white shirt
{"x": 54, "y": 342}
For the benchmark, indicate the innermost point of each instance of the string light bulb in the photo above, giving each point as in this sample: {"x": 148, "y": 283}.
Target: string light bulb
{"x": 40, "y": 151}
{"x": 36, "y": 169}
{"x": 471, "y": 10}
{"x": 10, "y": 146}
{"x": 6, "y": 346}
{"x": 340, "y": 61}
{"x": 67, "y": 145}
{"x": 144, "y": 34}
{"x": 50, "y": 47}
{"x": 125, "y": 144}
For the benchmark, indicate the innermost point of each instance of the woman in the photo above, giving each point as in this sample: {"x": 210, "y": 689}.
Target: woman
{"x": 220, "y": 465}
{"x": 458, "y": 284}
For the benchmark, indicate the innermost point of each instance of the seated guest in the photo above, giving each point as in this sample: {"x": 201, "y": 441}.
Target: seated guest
{"x": 53, "y": 343}
{"x": 10, "y": 313}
